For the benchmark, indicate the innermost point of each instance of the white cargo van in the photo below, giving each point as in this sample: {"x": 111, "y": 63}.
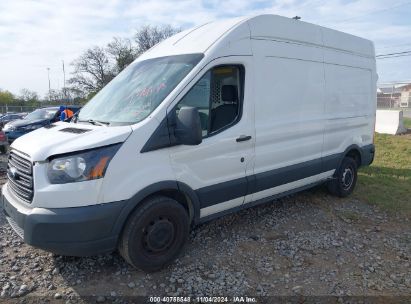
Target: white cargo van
{"x": 215, "y": 119}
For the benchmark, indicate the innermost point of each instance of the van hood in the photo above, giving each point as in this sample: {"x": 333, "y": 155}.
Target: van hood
{"x": 63, "y": 137}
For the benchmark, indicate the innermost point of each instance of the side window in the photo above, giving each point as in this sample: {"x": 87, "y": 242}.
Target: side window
{"x": 217, "y": 95}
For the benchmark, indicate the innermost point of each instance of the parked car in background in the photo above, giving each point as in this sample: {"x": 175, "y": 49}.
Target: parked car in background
{"x": 34, "y": 120}
{"x": 6, "y": 118}
{"x": 4, "y": 144}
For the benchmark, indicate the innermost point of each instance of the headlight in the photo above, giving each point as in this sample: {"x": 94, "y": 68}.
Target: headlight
{"x": 8, "y": 127}
{"x": 77, "y": 167}
{"x": 31, "y": 127}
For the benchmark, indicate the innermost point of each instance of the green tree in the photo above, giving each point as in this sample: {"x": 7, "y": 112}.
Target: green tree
{"x": 6, "y": 97}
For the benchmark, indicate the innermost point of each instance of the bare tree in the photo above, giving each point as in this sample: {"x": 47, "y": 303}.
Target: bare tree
{"x": 148, "y": 36}
{"x": 54, "y": 96}
{"x": 92, "y": 70}
{"x": 27, "y": 96}
{"x": 98, "y": 65}
{"x": 74, "y": 93}
{"x": 122, "y": 51}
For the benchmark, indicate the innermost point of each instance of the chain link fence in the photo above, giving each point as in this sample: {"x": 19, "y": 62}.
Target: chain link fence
{"x": 17, "y": 109}
{"x": 394, "y": 96}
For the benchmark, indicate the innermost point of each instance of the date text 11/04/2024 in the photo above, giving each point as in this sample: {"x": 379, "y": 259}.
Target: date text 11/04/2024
{"x": 236, "y": 299}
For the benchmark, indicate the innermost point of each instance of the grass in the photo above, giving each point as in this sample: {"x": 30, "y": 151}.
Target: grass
{"x": 407, "y": 122}
{"x": 387, "y": 182}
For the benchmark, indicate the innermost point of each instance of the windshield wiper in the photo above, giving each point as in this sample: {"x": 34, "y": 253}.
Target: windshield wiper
{"x": 96, "y": 122}
{"x": 74, "y": 119}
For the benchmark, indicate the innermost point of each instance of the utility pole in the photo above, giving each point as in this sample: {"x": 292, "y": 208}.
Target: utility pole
{"x": 48, "y": 74}
{"x": 392, "y": 92}
{"x": 64, "y": 81}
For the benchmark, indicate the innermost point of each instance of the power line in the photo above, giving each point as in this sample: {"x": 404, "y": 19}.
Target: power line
{"x": 377, "y": 11}
{"x": 394, "y": 55}
{"x": 389, "y": 54}
{"x": 405, "y": 55}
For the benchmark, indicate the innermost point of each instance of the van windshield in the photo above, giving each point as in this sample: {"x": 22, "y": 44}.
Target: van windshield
{"x": 138, "y": 90}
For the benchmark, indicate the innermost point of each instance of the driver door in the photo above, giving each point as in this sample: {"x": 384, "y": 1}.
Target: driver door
{"x": 217, "y": 168}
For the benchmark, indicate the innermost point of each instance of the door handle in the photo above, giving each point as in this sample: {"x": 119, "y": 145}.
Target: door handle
{"x": 243, "y": 138}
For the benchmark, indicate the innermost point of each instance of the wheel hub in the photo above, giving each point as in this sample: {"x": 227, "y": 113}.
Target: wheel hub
{"x": 159, "y": 235}
{"x": 347, "y": 178}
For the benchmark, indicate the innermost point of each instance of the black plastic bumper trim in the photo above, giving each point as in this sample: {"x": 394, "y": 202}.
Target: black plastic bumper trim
{"x": 77, "y": 231}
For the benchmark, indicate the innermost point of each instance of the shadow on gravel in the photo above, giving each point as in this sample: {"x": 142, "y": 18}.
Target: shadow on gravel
{"x": 110, "y": 276}
{"x": 305, "y": 244}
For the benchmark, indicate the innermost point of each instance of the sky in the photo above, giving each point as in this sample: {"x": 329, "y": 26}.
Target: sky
{"x": 40, "y": 34}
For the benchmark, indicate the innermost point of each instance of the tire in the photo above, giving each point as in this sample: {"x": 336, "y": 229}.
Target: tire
{"x": 345, "y": 178}
{"x": 154, "y": 234}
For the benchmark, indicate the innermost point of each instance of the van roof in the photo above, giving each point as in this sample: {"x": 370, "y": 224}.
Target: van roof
{"x": 205, "y": 37}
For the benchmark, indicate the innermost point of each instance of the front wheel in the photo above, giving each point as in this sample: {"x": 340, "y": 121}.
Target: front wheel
{"x": 345, "y": 178}
{"x": 155, "y": 233}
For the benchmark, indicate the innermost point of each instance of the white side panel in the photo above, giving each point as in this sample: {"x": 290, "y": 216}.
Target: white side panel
{"x": 289, "y": 108}
{"x": 269, "y": 48}
{"x": 342, "y": 41}
{"x": 343, "y": 58}
{"x": 348, "y": 91}
{"x": 350, "y": 107}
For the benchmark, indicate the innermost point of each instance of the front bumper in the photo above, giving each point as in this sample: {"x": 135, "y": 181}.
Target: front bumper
{"x": 79, "y": 231}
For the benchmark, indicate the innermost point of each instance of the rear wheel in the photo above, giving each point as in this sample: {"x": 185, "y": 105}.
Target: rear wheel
{"x": 155, "y": 233}
{"x": 345, "y": 178}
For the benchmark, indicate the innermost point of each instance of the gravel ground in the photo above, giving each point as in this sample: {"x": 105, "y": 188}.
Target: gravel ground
{"x": 310, "y": 244}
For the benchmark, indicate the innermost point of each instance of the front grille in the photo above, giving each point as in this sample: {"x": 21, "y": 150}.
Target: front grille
{"x": 20, "y": 177}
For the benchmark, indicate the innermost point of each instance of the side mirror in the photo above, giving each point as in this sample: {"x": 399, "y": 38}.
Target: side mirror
{"x": 188, "y": 127}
